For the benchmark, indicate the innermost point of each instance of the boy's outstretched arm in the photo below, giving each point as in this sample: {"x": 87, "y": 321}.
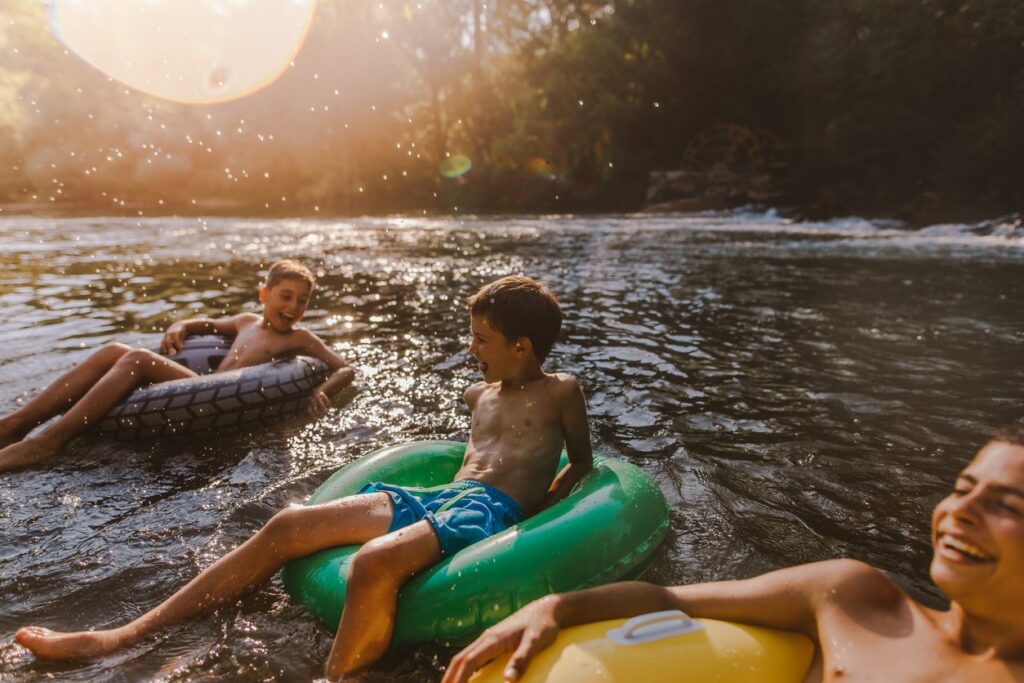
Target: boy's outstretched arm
{"x": 576, "y": 428}
{"x": 174, "y": 336}
{"x": 341, "y": 375}
{"x": 788, "y": 599}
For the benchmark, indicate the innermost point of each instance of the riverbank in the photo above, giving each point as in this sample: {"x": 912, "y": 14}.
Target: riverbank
{"x": 925, "y": 210}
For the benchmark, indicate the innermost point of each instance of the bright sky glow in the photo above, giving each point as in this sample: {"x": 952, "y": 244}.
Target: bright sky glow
{"x": 193, "y": 51}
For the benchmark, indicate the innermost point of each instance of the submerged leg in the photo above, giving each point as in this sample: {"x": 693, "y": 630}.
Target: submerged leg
{"x": 378, "y": 571}
{"x": 133, "y": 368}
{"x": 294, "y": 532}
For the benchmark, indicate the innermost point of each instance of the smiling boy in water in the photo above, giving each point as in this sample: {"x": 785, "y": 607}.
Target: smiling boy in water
{"x": 864, "y": 626}
{"x": 521, "y": 418}
{"x": 90, "y": 389}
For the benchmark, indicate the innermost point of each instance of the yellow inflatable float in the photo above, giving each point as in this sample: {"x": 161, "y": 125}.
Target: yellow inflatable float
{"x": 666, "y": 647}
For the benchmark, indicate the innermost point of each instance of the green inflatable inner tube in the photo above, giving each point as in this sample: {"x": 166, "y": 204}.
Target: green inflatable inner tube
{"x": 609, "y": 528}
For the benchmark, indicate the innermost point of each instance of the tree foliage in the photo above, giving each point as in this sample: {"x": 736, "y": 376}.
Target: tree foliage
{"x": 559, "y": 105}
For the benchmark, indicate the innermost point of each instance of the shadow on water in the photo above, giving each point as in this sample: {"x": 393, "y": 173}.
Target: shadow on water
{"x": 799, "y": 391}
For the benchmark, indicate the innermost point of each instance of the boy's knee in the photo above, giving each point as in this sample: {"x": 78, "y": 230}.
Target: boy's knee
{"x": 375, "y": 559}
{"x": 135, "y": 357}
{"x": 114, "y": 351}
{"x": 284, "y": 531}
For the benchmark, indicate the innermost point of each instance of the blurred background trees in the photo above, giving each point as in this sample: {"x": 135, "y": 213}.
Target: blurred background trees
{"x": 545, "y": 105}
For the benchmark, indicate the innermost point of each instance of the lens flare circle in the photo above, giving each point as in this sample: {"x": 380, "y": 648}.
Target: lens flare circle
{"x": 192, "y": 51}
{"x": 455, "y": 166}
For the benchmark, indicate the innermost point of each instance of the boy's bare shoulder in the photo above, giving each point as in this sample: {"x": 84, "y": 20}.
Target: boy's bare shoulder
{"x": 563, "y": 385}
{"x": 473, "y": 393}
{"x": 245, "y": 319}
{"x": 305, "y": 335}
{"x": 308, "y": 341}
{"x": 856, "y": 585}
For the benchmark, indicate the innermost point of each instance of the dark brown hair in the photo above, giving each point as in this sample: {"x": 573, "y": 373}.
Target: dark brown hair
{"x": 517, "y": 307}
{"x": 1013, "y": 434}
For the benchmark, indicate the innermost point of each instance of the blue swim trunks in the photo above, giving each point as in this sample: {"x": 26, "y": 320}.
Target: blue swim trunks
{"x": 461, "y": 512}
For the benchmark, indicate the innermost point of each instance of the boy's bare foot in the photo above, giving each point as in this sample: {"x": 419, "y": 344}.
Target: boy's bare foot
{"x": 24, "y": 453}
{"x": 66, "y": 647}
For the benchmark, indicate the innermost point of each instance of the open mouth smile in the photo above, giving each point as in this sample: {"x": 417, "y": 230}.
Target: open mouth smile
{"x": 958, "y": 549}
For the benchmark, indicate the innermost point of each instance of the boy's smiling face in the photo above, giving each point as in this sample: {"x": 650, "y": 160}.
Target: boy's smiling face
{"x": 285, "y": 303}
{"x": 978, "y": 533}
{"x": 497, "y": 355}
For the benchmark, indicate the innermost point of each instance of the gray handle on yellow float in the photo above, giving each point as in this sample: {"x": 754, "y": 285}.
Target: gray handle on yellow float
{"x": 653, "y": 626}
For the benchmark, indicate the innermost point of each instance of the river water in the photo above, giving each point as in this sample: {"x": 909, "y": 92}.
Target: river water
{"x": 799, "y": 391}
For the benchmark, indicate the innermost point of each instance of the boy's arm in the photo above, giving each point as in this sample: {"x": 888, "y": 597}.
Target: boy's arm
{"x": 577, "y": 440}
{"x": 174, "y": 337}
{"x": 341, "y": 375}
{"x": 789, "y": 599}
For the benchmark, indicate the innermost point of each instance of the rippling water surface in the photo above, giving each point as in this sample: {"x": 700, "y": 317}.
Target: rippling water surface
{"x": 800, "y": 391}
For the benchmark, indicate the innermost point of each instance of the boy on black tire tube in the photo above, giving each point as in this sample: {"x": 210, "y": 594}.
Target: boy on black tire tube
{"x": 521, "y": 418}
{"x": 90, "y": 389}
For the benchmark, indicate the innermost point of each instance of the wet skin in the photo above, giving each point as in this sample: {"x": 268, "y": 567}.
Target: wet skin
{"x": 864, "y": 626}
{"x": 522, "y": 417}
{"x": 259, "y": 339}
{"x": 496, "y": 453}
{"x": 88, "y": 391}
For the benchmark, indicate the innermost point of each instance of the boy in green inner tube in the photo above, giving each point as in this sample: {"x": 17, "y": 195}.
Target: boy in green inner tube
{"x": 91, "y": 388}
{"x": 521, "y": 418}
{"x": 864, "y": 626}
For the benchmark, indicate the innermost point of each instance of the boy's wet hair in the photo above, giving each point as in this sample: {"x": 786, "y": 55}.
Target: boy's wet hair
{"x": 517, "y": 307}
{"x": 1012, "y": 434}
{"x": 288, "y": 269}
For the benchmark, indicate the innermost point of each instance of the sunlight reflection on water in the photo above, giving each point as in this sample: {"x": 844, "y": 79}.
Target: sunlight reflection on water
{"x": 799, "y": 392}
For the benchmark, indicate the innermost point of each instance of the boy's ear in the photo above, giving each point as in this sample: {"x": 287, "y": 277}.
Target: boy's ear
{"x": 263, "y": 294}
{"x": 523, "y": 346}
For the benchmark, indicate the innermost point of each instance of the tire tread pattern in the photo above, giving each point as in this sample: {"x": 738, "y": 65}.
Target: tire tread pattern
{"x": 217, "y": 404}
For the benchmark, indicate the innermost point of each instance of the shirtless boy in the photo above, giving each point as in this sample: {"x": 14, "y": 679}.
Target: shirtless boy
{"x": 521, "y": 418}
{"x": 864, "y": 626}
{"x": 100, "y": 382}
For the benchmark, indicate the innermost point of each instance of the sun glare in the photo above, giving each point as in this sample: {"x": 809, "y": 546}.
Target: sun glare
{"x": 192, "y": 51}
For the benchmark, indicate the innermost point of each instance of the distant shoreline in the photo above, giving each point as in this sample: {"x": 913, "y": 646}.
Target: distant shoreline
{"x": 914, "y": 214}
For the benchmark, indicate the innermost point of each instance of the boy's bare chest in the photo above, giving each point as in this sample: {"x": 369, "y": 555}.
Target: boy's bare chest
{"x": 520, "y": 414}
{"x": 254, "y": 345}
{"x": 898, "y": 649}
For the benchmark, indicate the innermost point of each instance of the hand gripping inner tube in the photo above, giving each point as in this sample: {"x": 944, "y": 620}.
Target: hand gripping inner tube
{"x": 215, "y": 404}
{"x": 608, "y": 528}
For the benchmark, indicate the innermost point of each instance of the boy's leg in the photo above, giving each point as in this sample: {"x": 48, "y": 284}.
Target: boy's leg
{"x": 378, "y": 571}
{"x": 60, "y": 395}
{"x": 294, "y": 532}
{"x": 133, "y": 368}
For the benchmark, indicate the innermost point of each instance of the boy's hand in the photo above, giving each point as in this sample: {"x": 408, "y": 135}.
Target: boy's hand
{"x": 528, "y": 631}
{"x": 174, "y": 339}
{"x": 319, "y": 403}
